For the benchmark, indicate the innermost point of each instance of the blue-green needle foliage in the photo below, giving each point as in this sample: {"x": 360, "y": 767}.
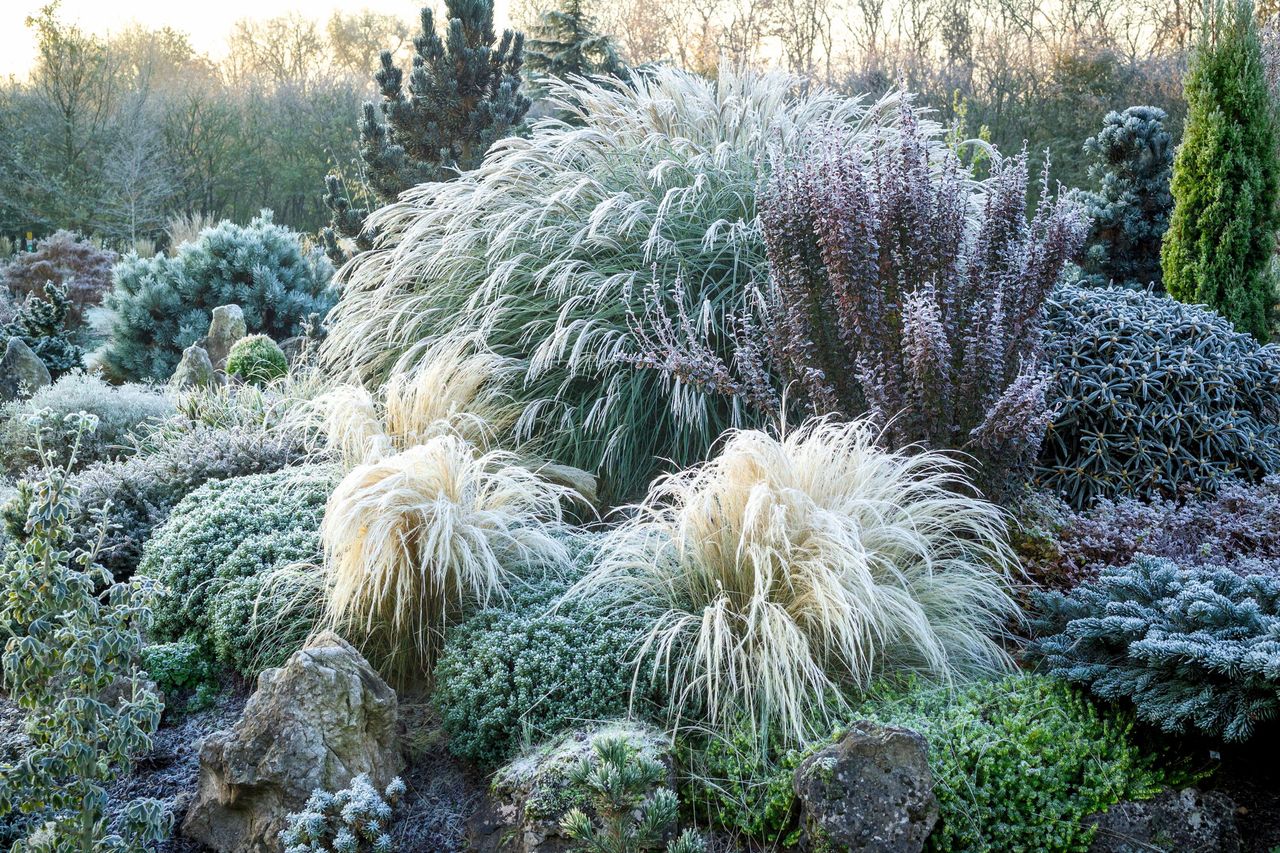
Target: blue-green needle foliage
{"x": 354, "y": 820}
{"x": 1192, "y": 648}
{"x": 159, "y": 306}
{"x": 1154, "y": 398}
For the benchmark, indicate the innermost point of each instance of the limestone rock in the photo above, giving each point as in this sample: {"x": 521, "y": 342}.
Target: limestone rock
{"x": 1186, "y": 821}
{"x": 22, "y": 373}
{"x": 319, "y": 721}
{"x": 195, "y": 370}
{"x": 534, "y": 791}
{"x": 871, "y": 791}
{"x": 226, "y": 327}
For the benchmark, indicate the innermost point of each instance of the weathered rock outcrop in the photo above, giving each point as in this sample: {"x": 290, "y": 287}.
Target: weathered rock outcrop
{"x": 871, "y": 791}
{"x": 195, "y": 370}
{"x": 317, "y": 722}
{"x": 226, "y": 327}
{"x": 22, "y": 373}
{"x": 1186, "y": 821}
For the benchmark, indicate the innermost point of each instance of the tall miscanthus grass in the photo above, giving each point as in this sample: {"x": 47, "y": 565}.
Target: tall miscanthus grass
{"x": 786, "y": 574}
{"x": 548, "y": 247}
{"x": 414, "y": 539}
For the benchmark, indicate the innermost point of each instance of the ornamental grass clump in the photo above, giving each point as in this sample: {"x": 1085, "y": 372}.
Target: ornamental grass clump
{"x": 787, "y": 573}
{"x": 546, "y": 248}
{"x": 413, "y": 540}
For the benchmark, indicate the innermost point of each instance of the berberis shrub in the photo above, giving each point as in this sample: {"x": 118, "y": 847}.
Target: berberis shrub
{"x": 1191, "y": 647}
{"x": 65, "y": 259}
{"x": 225, "y": 536}
{"x": 160, "y": 306}
{"x": 531, "y": 666}
{"x": 1154, "y": 396}
{"x": 887, "y": 297}
{"x": 786, "y": 572}
{"x": 547, "y": 249}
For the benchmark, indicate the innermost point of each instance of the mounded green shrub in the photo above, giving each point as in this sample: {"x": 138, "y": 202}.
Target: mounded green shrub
{"x": 222, "y": 540}
{"x": 1018, "y": 763}
{"x": 525, "y": 668}
{"x": 161, "y": 305}
{"x": 121, "y": 410}
{"x": 1155, "y": 398}
{"x": 257, "y": 359}
{"x": 1192, "y": 648}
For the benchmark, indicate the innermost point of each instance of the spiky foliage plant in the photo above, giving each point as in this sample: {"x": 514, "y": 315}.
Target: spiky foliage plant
{"x": 80, "y": 266}
{"x": 41, "y": 323}
{"x": 1192, "y": 648}
{"x": 463, "y": 96}
{"x": 353, "y": 820}
{"x": 634, "y": 812}
{"x": 1131, "y": 208}
{"x": 71, "y": 664}
{"x": 162, "y": 305}
{"x": 1226, "y": 177}
{"x": 884, "y": 299}
{"x": 548, "y": 246}
{"x": 412, "y": 540}
{"x": 785, "y": 573}
{"x": 1154, "y": 398}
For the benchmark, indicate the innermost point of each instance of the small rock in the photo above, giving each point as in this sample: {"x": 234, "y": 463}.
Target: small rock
{"x": 22, "y": 373}
{"x": 534, "y": 791}
{"x": 226, "y": 327}
{"x": 317, "y": 722}
{"x": 871, "y": 791}
{"x": 1186, "y": 821}
{"x": 195, "y": 370}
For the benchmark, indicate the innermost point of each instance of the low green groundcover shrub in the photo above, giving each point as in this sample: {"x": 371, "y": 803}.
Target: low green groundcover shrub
{"x": 529, "y": 666}
{"x": 122, "y": 410}
{"x": 257, "y": 359}
{"x": 1018, "y": 764}
{"x": 229, "y": 534}
{"x": 1191, "y": 646}
{"x": 1154, "y": 396}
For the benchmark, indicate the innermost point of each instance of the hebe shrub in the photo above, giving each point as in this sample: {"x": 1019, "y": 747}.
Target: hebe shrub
{"x": 226, "y": 533}
{"x": 121, "y": 412}
{"x": 525, "y": 668}
{"x": 66, "y": 259}
{"x": 1154, "y": 398}
{"x": 162, "y": 305}
{"x": 1192, "y": 647}
{"x": 257, "y": 359}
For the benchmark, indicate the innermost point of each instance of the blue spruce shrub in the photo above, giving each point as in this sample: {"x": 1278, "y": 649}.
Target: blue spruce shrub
{"x": 1154, "y": 398}
{"x": 161, "y": 305}
{"x": 530, "y": 666}
{"x": 1191, "y": 647}
{"x": 217, "y": 545}
{"x": 353, "y": 820}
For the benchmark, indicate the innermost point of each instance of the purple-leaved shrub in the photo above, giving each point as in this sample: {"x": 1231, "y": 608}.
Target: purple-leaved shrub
{"x": 900, "y": 287}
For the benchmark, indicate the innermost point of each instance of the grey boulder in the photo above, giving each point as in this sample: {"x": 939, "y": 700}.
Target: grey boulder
{"x": 22, "y": 373}
{"x": 1185, "y": 821}
{"x": 195, "y": 370}
{"x": 870, "y": 791}
{"x": 226, "y": 327}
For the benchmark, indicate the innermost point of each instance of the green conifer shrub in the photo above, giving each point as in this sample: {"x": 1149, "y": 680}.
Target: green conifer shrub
{"x": 228, "y": 534}
{"x": 1130, "y": 210}
{"x": 71, "y": 664}
{"x": 1192, "y": 647}
{"x": 1226, "y": 177}
{"x": 41, "y": 323}
{"x": 257, "y": 359}
{"x": 353, "y": 820}
{"x": 565, "y": 43}
{"x": 162, "y": 305}
{"x": 463, "y": 96}
{"x": 1153, "y": 397}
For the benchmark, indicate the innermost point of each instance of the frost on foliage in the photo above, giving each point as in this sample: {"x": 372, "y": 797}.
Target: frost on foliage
{"x": 354, "y": 820}
{"x": 1195, "y": 647}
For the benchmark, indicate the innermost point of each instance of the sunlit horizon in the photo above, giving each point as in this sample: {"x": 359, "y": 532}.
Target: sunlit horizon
{"x": 207, "y": 24}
